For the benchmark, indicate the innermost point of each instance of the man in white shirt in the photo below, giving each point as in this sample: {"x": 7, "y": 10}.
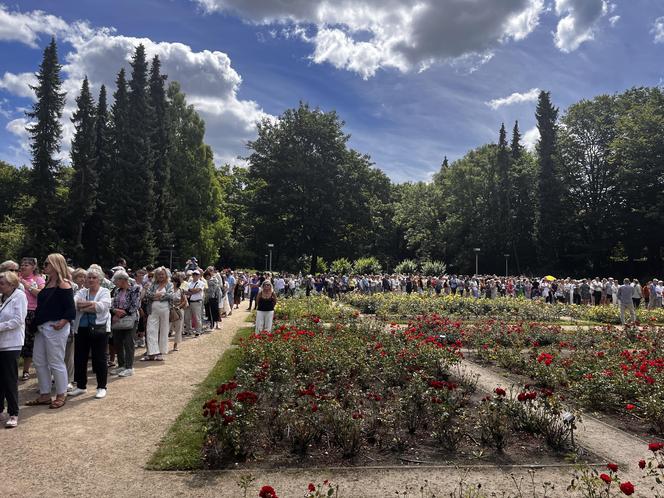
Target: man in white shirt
{"x": 625, "y": 293}
{"x": 195, "y": 310}
{"x": 280, "y": 285}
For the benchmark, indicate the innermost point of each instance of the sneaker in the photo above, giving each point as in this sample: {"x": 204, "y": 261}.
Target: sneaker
{"x": 101, "y": 393}
{"x": 70, "y": 387}
{"x": 116, "y": 371}
{"x": 12, "y": 422}
{"x": 127, "y": 372}
{"x": 76, "y": 392}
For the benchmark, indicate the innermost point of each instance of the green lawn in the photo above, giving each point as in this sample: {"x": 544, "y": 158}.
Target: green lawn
{"x": 180, "y": 449}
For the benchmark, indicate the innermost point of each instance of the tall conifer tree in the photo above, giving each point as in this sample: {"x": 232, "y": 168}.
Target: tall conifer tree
{"x": 45, "y": 133}
{"x": 98, "y": 233}
{"x": 548, "y": 185}
{"x": 160, "y": 145}
{"x": 83, "y": 191}
{"x": 516, "y": 148}
{"x": 504, "y": 186}
{"x": 138, "y": 180}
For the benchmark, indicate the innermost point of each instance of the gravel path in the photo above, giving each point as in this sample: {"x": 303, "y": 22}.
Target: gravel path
{"x": 100, "y": 447}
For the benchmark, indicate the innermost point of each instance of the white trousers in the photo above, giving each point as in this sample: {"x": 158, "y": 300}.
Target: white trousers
{"x": 157, "y": 328}
{"x": 48, "y": 356}
{"x": 264, "y": 321}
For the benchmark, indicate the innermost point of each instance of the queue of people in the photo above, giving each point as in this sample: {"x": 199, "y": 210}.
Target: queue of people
{"x": 61, "y": 319}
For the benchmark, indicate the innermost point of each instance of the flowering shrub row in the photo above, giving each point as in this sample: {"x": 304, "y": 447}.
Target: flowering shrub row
{"x": 315, "y": 306}
{"x": 343, "y": 387}
{"x": 390, "y": 305}
{"x": 357, "y": 384}
{"x": 602, "y": 368}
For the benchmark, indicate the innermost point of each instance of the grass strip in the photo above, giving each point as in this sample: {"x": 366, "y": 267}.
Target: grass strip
{"x": 180, "y": 448}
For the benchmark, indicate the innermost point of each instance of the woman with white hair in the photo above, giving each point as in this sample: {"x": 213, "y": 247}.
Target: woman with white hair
{"x": 124, "y": 308}
{"x": 91, "y": 328}
{"x": 160, "y": 296}
{"x": 266, "y": 300}
{"x": 55, "y": 311}
{"x": 13, "y": 309}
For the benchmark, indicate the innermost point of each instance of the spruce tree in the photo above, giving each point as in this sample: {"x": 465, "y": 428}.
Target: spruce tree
{"x": 548, "y": 184}
{"x": 118, "y": 202}
{"x": 45, "y": 133}
{"x": 504, "y": 187}
{"x": 160, "y": 145}
{"x": 445, "y": 163}
{"x": 98, "y": 232}
{"x": 516, "y": 147}
{"x": 83, "y": 190}
{"x": 138, "y": 180}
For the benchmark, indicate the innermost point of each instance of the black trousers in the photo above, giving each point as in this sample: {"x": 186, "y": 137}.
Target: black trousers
{"x": 123, "y": 340}
{"x": 95, "y": 340}
{"x": 9, "y": 381}
{"x": 598, "y": 297}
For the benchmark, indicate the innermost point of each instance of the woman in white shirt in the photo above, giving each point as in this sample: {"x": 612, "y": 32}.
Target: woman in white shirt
{"x": 13, "y": 310}
{"x": 92, "y": 327}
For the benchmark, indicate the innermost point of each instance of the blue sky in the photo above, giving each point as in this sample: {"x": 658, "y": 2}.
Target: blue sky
{"x": 413, "y": 80}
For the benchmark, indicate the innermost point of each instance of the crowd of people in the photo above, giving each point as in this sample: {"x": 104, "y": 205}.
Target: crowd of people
{"x": 58, "y": 319}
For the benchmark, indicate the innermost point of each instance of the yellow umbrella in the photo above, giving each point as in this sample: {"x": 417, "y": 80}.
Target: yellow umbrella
{"x": 550, "y": 278}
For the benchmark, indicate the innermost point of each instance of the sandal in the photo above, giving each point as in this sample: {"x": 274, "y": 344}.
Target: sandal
{"x": 58, "y": 403}
{"x": 159, "y": 358}
{"x": 39, "y": 401}
{"x": 147, "y": 358}
{"x": 26, "y": 376}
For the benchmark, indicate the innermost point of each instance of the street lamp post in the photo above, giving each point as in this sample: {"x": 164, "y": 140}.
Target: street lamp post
{"x": 477, "y": 252}
{"x": 266, "y": 262}
{"x": 170, "y": 259}
{"x": 270, "y": 247}
{"x": 507, "y": 257}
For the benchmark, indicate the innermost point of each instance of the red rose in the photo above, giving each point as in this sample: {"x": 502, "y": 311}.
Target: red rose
{"x": 267, "y": 492}
{"x": 314, "y": 407}
{"x": 612, "y": 467}
{"x": 606, "y": 478}
{"x": 627, "y": 488}
{"x": 500, "y": 391}
{"x": 655, "y": 446}
{"x": 311, "y": 487}
{"x": 642, "y": 464}
{"x": 630, "y": 406}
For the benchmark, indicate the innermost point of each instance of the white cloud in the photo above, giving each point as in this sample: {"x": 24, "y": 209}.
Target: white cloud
{"x": 658, "y": 30}
{"x": 366, "y": 35}
{"x": 578, "y": 23}
{"x": 207, "y": 77}
{"x": 530, "y": 138}
{"x": 613, "y": 20}
{"x": 19, "y": 84}
{"x": 26, "y": 27}
{"x": 516, "y": 98}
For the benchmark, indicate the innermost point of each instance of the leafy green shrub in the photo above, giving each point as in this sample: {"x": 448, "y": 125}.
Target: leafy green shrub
{"x": 364, "y": 266}
{"x": 433, "y": 268}
{"x": 341, "y": 266}
{"x": 407, "y": 266}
